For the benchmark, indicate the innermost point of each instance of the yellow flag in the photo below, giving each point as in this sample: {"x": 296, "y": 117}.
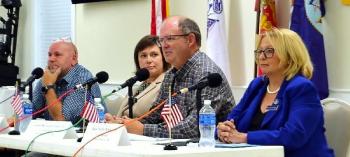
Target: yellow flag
{"x": 346, "y": 2}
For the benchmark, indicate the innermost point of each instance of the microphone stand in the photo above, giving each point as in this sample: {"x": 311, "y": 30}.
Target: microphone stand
{"x": 131, "y": 101}
{"x": 30, "y": 92}
{"x": 170, "y": 146}
{"x": 83, "y": 128}
{"x": 198, "y": 104}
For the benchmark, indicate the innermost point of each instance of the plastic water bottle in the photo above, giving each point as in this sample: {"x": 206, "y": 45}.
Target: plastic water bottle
{"x": 27, "y": 112}
{"x": 207, "y": 122}
{"x": 100, "y": 110}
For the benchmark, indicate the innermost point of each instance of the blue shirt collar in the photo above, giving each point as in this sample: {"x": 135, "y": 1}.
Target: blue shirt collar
{"x": 69, "y": 77}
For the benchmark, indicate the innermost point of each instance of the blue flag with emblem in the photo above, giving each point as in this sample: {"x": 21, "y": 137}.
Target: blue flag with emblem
{"x": 306, "y": 20}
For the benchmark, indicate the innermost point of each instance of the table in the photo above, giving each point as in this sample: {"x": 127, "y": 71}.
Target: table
{"x": 67, "y": 147}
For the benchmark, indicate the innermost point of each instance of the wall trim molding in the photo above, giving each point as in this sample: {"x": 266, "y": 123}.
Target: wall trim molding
{"x": 339, "y": 90}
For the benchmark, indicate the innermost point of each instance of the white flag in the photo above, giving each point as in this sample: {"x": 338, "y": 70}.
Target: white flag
{"x": 216, "y": 37}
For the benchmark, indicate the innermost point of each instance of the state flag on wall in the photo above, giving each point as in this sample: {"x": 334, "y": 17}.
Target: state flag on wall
{"x": 306, "y": 20}
{"x": 160, "y": 10}
{"x": 267, "y": 15}
{"x": 217, "y": 48}
{"x": 267, "y": 18}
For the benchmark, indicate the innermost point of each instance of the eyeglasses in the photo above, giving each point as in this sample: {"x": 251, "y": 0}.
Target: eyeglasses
{"x": 63, "y": 39}
{"x": 268, "y": 52}
{"x": 170, "y": 38}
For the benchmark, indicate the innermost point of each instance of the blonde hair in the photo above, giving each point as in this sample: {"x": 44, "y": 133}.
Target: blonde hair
{"x": 291, "y": 51}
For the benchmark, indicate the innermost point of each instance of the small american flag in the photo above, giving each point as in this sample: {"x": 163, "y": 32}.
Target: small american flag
{"x": 17, "y": 104}
{"x": 89, "y": 110}
{"x": 171, "y": 113}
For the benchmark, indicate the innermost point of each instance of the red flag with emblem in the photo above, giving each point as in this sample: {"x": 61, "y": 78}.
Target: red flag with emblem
{"x": 267, "y": 19}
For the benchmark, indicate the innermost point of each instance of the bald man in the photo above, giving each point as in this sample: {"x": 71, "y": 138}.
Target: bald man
{"x": 62, "y": 73}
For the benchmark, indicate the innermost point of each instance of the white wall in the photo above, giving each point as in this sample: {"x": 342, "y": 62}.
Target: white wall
{"x": 106, "y": 33}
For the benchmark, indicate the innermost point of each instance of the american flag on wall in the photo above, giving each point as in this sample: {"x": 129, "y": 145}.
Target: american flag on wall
{"x": 160, "y": 10}
{"x": 171, "y": 113}
{"x": 89, "y": 110}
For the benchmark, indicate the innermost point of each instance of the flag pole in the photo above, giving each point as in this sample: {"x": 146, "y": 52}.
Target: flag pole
{"x": 170, "y": 142}
{"x": 15, "y": 132}
{"x": 83, "y": 128}
{"x": 170, "y": 146}
{"x": 16, "y": 117}
{"x": 169, "y": 98}
{"x": 257, "y": 29}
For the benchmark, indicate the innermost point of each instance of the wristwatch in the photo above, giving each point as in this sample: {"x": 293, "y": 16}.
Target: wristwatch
{"x": 46, "y": 88}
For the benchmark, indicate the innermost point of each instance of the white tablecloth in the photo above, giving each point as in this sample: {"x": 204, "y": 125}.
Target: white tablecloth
{"x": 5, "y": 107}
{"x": 67, "y": 147}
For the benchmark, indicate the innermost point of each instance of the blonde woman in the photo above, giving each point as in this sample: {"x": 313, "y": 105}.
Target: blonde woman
{"x": 282, "y": 107}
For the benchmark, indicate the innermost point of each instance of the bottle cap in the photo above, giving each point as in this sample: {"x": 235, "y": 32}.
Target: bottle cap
{"x": 25, "y": 96}
{"x": 26, "y": 89}
{"x": 97, "y": 100}
{"x": 207, "y": 102}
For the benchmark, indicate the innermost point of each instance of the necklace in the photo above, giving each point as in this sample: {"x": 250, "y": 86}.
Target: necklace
{"x": 272, "y": 92}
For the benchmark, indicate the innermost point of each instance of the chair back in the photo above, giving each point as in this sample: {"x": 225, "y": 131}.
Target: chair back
{"x": 113, "y": 103}
{"x": 337, "y": 124}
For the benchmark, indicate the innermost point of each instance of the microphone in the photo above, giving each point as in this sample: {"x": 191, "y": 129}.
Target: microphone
{"x": 140, "y": 75}
{"x": 212, "y": 80}
{"x": 101, "y": 77}
{"x": 36, "y": 73}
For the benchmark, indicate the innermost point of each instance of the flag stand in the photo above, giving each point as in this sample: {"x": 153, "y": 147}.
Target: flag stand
{"x": 83, "y": 131}
{"x": 14, "y": 132}
{"x": 170, "y": 146}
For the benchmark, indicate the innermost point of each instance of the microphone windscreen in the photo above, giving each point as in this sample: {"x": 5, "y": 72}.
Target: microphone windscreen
{"x": 142, "y": 74}
{"x": 214, "y": 80}
{"x": 37, "y": 72}
{"x": 102, "y": 77}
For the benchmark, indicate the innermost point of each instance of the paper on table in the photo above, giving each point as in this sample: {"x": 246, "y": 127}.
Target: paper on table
{"x": 135, "y": 137}
{"x": 3, "y": 124}
{"x": 233, "y": 145}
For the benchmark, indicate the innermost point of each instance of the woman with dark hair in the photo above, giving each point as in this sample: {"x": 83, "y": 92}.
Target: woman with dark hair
{"x": 147, "y": 54}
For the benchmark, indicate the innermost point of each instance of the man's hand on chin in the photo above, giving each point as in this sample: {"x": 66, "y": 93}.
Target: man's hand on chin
{"x": 51, "y": 75}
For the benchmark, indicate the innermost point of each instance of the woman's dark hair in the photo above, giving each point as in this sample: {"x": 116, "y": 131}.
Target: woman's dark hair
{"x": 145, "y": 42}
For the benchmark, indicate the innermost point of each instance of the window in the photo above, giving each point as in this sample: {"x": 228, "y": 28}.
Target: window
{"x": 54, "y": 19}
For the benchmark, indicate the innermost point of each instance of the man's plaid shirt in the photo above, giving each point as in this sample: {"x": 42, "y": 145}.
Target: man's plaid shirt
{"x": 197, "y": 67}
